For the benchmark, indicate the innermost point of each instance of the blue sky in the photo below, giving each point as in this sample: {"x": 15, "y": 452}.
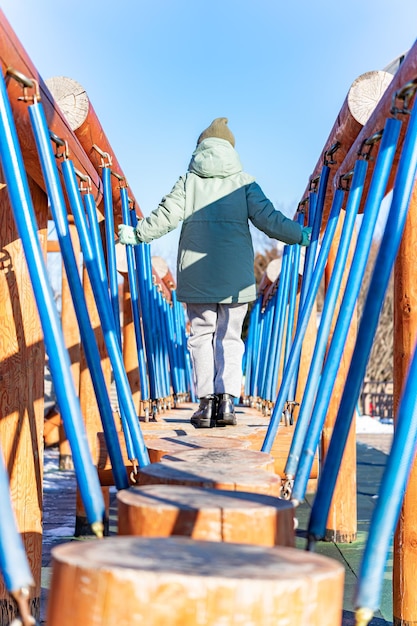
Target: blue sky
{"x": 157, "y": 73}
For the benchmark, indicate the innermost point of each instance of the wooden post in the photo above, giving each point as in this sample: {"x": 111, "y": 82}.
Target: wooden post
{"x": 72, "y": 341}
{"x": 22, "y": 360}
{"x": 405, "y": 334}
{"x": 130, "y": 353}
{"x": 181, "y": 581}
{"x": 307, "y": 351}
{"x": 89, "y": 405}
{"x": 342, "y": 520}
{"x": 208, "y": 514}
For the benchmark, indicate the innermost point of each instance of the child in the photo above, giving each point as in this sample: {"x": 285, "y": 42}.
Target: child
{"x": 214, "y": 201}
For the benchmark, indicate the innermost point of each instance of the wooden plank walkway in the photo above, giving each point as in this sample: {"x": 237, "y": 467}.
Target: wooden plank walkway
{"x": 60, "y": 489}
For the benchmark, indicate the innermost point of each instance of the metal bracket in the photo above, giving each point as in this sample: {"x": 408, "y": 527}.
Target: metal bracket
{"x": 106, "y": 159}
{"x": 134, "y": 472}
{"x": 405, "y": 94}
{"x": 289, "y": 411}
{"x": 330, "y": 152}
{"x": 120, "y": 178}
{"x": 60, "y": 143}
{"x": 84, "y": 179}
{"x": 368, "y": 144}
{"x": 345, "y": 180}
{"x": 27, "y": 83}
{"x": 286, "y": 489}
{"x": 302, "y": 206}
{"x": 22, "y": 600}
{"x": 314, "y": 184}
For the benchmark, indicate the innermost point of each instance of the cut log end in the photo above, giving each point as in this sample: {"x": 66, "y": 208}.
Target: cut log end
{"x": 181, "y": 581}
{"x": 71, "y": 98}
{"x": 365, "y": 93}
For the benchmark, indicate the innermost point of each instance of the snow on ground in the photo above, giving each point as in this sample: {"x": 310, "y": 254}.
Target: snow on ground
{"x": 368, "y": 424}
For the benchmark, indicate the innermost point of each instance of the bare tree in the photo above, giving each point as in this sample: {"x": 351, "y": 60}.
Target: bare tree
{"x": 380, "y": 364}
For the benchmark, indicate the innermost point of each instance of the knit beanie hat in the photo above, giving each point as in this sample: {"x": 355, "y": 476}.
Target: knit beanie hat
{"x": 218, "y": 128}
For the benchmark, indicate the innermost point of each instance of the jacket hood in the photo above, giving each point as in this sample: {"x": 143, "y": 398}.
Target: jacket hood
{"x": 215, "y": 157}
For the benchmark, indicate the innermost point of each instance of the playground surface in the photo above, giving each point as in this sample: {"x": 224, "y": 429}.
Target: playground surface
{"x": 373, "y": 444}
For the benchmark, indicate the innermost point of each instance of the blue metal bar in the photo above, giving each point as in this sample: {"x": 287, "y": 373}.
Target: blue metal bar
{"x": 265, "y": 348}
{"x": 279, "y": 324}
{"x": 390, "y": 497}
{"x": 13, "y": 560}
{"x": 291, "y": 313}
{"x": 293, "y": 358}
{"x": 314, "y": 220}
{"x": 142, "y": 275}
{"x": 332, "y": 294}
{"x": 110, "y": 248}
{"x": 316, "y": 204}
{"x": 173, "y": 352}
{"x": 178, "y": 318}
{"x": 98, "y": 253}
{"x": 95, "y": 235}
{"x": 257, "y": 353}
{"x": 106, "y": 317}
{"x": 59, "y": 214}
{"x": 164, "y": 373}
{"x": 154, "y": 316}
{"x": 404, "y": 183}
{"x": 250, "y": 349}
{"x": 373, "y": 201}
{"x": 24, "y": 215}
{"x": 292, "y": 298}
{"x": 134, "y": 297}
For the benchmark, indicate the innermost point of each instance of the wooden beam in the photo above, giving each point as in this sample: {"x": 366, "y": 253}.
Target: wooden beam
{"x": 13, "y": 55}
{"x": 79, "y": 112}
{"x": 360, "y": 102}
{"x": 405, "y": 73}
{"x": 405, "y": 334}
{"x": 83, "y": 120}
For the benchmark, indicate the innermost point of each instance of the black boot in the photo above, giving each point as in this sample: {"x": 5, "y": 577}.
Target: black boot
{"x": 205, "y": 416}
{"x": 225, "y": 410}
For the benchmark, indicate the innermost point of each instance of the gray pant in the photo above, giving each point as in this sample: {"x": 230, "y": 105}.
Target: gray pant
{"x": 216, "y": 347}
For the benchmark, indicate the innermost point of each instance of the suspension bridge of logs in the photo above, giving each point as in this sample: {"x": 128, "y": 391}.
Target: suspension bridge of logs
{"x": 206, "y": 519}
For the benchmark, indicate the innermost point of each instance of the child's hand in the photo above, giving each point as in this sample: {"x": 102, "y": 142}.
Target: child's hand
{"x": 128, "y": 235}
{"x": 306, "y": 236}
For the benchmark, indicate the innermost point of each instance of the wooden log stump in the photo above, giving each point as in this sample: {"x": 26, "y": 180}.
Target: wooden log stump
{"x": 176, "y": 581}
{"x": 214, "y": 477}
{"x": 102, "y": 458}
{"x": 207, "y": 514}
{"x": 280, "y": 449}
{"x": 239, "y": 459}
{"x": 158, "y": 447}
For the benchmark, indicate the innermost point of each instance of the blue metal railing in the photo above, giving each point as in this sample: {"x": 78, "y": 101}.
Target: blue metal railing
{"x": 60, "y": 366}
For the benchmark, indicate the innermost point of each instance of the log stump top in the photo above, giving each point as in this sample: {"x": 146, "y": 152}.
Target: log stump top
{"x": 243, "y": 459}
{"x": 177, "y": 581}
{"x": 188, "y": 557}
{"x": 196, "y": 498}
{"x": 192, "y": 442}
{"x": 160, "y": 446}
{"x": 208, "y": 514}
{"x": 216, "y": 477}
